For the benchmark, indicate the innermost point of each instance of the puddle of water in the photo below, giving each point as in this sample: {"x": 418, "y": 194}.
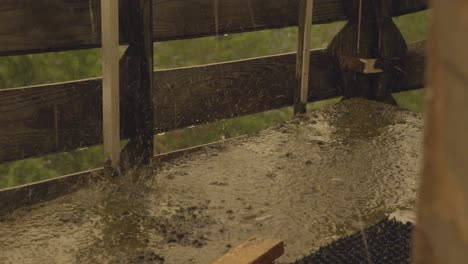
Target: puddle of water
{"x": 308, "y": 181}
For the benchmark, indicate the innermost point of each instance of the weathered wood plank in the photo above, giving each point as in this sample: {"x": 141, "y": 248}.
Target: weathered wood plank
{"x": 30, "y": 26}
{"x": 254, "y": 251}
{"x": 203, "y": 94}
{"x": 441, "y": 231}
{"x": 413, "y": 69}
{"x": 31, "y": 194}
{"x": 303, "y": 56}
{"x": 370, "y": 33}
{"x": 403, "y": 7}
{"x": 39, "y": 120}
{"x": 110, "y": 82}
{"x": 234, "y": 16}
{"x": 137, "y": 81}
{"x": 51, "y": 118}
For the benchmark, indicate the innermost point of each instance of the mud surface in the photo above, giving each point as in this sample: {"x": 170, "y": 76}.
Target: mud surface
{"x": 309, "y": 182}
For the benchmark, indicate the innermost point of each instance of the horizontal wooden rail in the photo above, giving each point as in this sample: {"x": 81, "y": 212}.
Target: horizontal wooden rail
{"x": 51, "y": 118}
{"x": 30, "y": 26}
{"x": 40, "y": 120}
{"x": 413, "y": 68}
{"x": 203, "y": 94}
{"x": 30, "y": 194}
{"x": 33, "y": 193}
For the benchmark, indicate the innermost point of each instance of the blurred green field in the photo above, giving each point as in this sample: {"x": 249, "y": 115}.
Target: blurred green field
{"x": 25, "y": 70}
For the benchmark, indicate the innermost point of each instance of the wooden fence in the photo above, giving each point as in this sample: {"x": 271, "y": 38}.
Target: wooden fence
{"x": 44, "y": 119}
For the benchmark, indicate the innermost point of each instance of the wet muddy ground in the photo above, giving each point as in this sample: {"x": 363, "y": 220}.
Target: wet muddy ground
{"x": 309, "y": 182}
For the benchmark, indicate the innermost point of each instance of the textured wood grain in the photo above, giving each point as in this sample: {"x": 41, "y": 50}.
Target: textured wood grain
{"x": 441, "y": 231}
{"x": 197, "y": 95}
{"x": 402, "y": 7}
{"x": 298, "y": 107}
{"x": 45, "y": 119}
{"x": 31, "y": 194}
{"x": 28, "y": 26}
{"x": 413, "y": 68}
{"x": 111, "y": 82}
{"x": 234, "y": 16}
{"x": 303, "y": 56}
{"x": 370, "y": 33}
{"x": 137, "y": 79}
{"x": 39, "y": 120}
{"x": 254, "y": 251}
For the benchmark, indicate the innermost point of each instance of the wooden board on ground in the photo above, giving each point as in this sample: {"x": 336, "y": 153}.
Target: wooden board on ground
{"x": 29, "y": 26}
{"x": 254, "y": 251}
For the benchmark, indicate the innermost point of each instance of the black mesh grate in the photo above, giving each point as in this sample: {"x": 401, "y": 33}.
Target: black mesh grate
{"x": 388, "y": 242}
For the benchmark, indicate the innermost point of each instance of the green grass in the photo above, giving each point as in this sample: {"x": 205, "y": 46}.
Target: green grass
{"x": 412, "y": 100}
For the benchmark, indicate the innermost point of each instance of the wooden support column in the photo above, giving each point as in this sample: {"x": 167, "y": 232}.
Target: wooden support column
{"x": 369, "y": 36}
{"x": 303, "y": 55}
{"x": 358, "y": 39}
{"x": 110, "y": 75}
{"x": 441, "y": 233}
{"x": 137, "y": 80}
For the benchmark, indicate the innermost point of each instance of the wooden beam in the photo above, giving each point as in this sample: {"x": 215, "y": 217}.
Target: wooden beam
{"x": 303, "y": 55}
{"x": 441, "y": 231}
{"x": 236, "y": 16}
{"x": 45, "y": 119}
{"x": 404, "y": 7}
{"x": 207, "y": 93}
{"x": 306, "y": 52}
{"x": 203, "y": 94}
{"x": 370, "y": 35}
{"x": 254, "y": 251}
{"x": 30, "y": 194}
{"x": 413, "y": 69}
{"x": 298, "y": 107}
{"x": 137, "y": 81}
{"x": 110, "y": 81}
{"x": 300, "y": 40}
{"x": 30, "y": 26}
{"x": 358, "y": 39}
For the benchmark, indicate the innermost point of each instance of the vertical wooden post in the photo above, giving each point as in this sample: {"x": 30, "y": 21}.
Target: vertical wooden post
{"x": 441, "y": 233}
{"x": 303, "y": 55}
{"x": 369, "y": 36}
{"x": 137, "y": 76}
{"x": 110, "y": 75}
